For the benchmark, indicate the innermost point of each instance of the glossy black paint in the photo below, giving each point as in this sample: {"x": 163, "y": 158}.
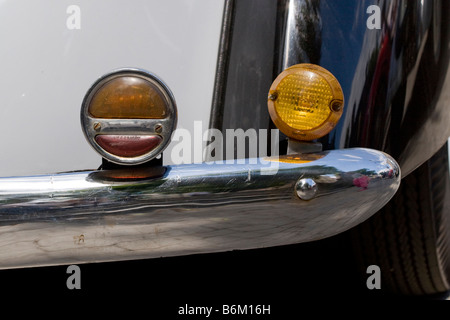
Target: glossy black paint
{"x": 393, "y": 78}
{"x": 250, "y": 65}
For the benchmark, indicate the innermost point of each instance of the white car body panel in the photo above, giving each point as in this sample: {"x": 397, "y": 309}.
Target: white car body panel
{"x": 49, "y": 60}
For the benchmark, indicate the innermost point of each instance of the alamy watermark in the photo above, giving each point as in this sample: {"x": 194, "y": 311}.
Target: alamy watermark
{"x": 74, "y": 280}
{"x": 212, "y": 146}
{"x": 374, "y": 20}
{"x": 73, "y": 21}
{"x": 374, "y": 280}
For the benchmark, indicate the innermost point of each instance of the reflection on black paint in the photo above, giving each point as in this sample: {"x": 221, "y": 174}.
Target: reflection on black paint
{"x": 392, "y": 77}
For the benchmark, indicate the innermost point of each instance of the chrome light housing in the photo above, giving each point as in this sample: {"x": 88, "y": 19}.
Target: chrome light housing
{"x": 128, "y": 116}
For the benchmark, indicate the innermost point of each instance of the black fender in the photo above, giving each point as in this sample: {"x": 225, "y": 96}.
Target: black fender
{"x": 397, "y": 101}
{"x": 394, "y": 78}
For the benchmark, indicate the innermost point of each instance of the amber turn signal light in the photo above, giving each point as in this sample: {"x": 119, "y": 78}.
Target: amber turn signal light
{"x": 305, "y": 102}
{"x": 128, "y": 116}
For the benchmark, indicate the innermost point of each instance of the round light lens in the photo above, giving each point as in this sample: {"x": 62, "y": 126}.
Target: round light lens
{"x": 305, "y": 102}
{"x": 128, "y": 97}
{"x": 128, "y": 116}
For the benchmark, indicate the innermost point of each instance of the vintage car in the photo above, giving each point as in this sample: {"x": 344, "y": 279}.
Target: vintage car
{"x": 147, "y": 129}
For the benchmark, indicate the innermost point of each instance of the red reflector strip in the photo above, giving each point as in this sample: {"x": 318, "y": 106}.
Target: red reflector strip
{"x": 128, "y": 145}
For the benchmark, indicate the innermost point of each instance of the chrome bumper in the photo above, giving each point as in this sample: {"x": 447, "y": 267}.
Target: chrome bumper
{"x": 93, "y": 216}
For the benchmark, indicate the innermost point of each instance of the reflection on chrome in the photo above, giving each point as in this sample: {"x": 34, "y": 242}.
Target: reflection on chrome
{"x": 188, "y": 208}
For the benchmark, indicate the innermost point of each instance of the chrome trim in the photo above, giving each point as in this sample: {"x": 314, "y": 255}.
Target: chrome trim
{"x": 223, "y": 59}
{"x": 166, "y": 126}
{"x": 291, "y": 47}
{"x": 299, "y": 13}
{"x": 72, "y": 218}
